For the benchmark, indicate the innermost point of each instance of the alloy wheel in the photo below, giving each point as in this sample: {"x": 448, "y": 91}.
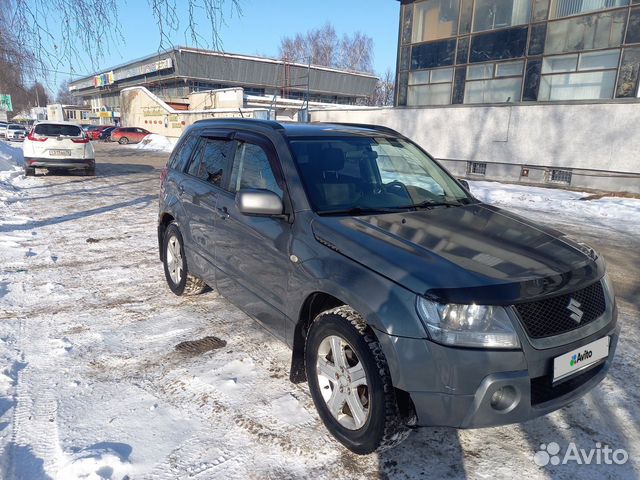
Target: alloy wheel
{"x": 174, "y": 260}
{"x": 343, "y": 382}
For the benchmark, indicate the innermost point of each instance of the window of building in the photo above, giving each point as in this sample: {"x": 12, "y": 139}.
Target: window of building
{"x": 494, "y": 83}
{"x": 477, "y": 168}
{"x": 430, "y": 87}
{"x": 492, "y": 14}
{"x": 628, "y": 76}
{"x": 251, "y": 169}
{"x": 435, "y": 19}
{"x": 603, "y": 30}
{"x": 565, "y": 8}
{"x": 499, "y": 45}
{"x": 432, "y": 55}
{"x": 594, "y": 77}
{"x": 560, "y": 176}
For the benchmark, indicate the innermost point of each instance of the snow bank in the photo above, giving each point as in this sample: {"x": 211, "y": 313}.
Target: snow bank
{"x": 11, "y": 161}
{"x": 10, "y": 157}
{"x": 622, "y": 214}
{"x": 156, "y": 142}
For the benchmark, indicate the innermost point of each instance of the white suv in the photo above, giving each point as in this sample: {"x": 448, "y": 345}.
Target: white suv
{"x": 58, "y": 145}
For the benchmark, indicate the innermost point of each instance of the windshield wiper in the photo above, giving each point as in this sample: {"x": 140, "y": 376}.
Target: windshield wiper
{"x": 362, "y": 211}
{"x": 430, "y": 204}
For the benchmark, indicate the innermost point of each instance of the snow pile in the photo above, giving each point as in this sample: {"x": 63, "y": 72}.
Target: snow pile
{"x": 11, "y": 161}
{"x": 553, "y": 205}
{"x": 10, "y": 157}
{"x": 153, "y": 141}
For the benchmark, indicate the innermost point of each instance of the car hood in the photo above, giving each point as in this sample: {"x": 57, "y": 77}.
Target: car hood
{"x": 475, "y": 253}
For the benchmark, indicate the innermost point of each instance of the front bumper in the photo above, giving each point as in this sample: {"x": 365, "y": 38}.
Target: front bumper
{"x": 62, "y": 163}
{"x": 454, "y": 387}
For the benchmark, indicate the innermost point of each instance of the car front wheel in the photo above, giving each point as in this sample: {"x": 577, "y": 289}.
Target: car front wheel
{"x": 350, "y": 383}
{"x": 180, "y": 281}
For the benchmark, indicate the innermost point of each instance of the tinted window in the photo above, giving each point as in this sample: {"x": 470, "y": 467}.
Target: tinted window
{"x": 53, "y": 130}
{"x": 436, "y": 54}
{"x": 210, "y": 162}
{"x": 16, "y": 127}
{"x": 251, "y": 169}
{"x": 180, "y": 159}
{"x": 500, "y": 45}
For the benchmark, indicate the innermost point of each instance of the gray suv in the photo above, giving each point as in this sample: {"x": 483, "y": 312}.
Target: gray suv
{"x": 406, "y": 301}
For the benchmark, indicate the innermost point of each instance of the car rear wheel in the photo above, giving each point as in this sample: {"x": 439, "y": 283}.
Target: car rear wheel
{"x": 350, "y": 383}
{"x": 90, "y": 171}
{"x": 123, "y": 140}
{"x": 180, "y": 281}
{"x": 29, "y": 171}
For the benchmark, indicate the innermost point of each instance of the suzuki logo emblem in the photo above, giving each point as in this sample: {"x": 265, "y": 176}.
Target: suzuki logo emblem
{"x": 574, "y": 308}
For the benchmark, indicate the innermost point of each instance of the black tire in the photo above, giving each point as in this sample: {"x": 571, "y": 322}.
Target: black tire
{"x": 384, "y": 428}
{"x": 188, "y": 284}
{"x": 29, "y": 171}
{"x": 123, "y": 140}
{"x": 90, "y": 171}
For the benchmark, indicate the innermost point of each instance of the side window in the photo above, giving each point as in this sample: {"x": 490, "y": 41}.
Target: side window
{"x": 251, "y": 169}
{"x": 180, "y": 159}
{"x": 210, "y": 162}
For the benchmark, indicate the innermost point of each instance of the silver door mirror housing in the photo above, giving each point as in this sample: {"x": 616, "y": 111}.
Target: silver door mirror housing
{"x": 259, "y": 202}
{"x": 464, "y": 183}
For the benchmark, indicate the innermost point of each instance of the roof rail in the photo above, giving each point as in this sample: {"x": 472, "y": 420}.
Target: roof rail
{"x": 266, "y": 123}
{"x": 380, "y": 128}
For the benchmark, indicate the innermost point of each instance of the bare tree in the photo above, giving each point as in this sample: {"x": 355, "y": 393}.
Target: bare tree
{"x": 64, "y": 96}
{"x": 356, "y": 52}
{"x": 383, "y": 94}
{"x": 322, "y": 46}
{"x": 56, "y": 32}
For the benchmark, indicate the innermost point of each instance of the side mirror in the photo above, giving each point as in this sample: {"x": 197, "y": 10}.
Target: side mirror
{"x": 259, "y": 202}
{"x": 464, "y": 183}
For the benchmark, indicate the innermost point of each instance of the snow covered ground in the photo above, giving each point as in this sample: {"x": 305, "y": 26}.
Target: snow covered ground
{"x": 91, "y": 385}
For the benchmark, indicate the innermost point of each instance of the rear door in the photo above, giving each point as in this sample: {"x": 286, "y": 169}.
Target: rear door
{"x": 205, "y": 176}
{"x": 252, "y": 253}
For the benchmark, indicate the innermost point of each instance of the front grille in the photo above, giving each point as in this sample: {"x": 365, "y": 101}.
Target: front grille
{"x": 542, "y": 389}
{"x": 551, "y": 316}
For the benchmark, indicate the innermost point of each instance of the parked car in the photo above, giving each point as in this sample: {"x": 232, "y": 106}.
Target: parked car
{"x": 124, "y": 135}
{"x": 58, "y": 145}
{"x": 105, "y": 135}
{"x": 3, "y": 129}
{"x": 406, "y": 301}
{"x": 15, "y": 132}
{"x": 94, "y": 133}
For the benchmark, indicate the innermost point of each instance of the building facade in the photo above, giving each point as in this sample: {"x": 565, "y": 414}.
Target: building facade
{"x": 174, "y": 74}
{"x": 511, "y": 51}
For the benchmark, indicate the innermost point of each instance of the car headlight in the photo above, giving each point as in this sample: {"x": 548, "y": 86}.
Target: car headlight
{"x": 479, "y": 326}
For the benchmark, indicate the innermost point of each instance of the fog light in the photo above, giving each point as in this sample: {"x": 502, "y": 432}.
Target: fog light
{"x": 504, "y": 398}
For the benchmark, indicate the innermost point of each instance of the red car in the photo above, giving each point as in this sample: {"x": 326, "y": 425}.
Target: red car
{"x": 124, "y": 135}
{"x": 94, "y": 133}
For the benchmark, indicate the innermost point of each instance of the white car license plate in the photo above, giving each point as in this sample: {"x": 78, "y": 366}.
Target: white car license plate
{"x": 42, "y": 171}
{"x": 580, "y": 358}
{"x": 60, "y": 153}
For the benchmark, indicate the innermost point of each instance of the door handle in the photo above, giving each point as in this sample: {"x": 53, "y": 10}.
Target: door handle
{"x": 223, "y": 213}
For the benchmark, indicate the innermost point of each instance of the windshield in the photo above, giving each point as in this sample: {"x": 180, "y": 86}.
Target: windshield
{"x": 352, "y": 174}
{"x": 16, "y": 127}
